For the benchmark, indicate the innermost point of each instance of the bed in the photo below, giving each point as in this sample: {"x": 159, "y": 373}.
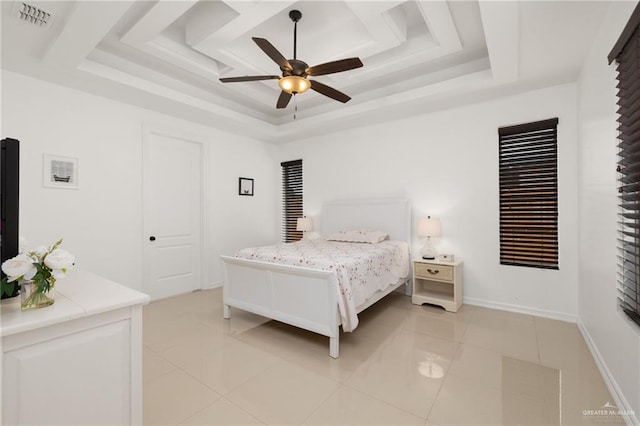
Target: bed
{"x": 312, "y": 298}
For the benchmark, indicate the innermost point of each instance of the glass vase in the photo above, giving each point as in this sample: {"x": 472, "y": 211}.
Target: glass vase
{"x": 33, "y": 298}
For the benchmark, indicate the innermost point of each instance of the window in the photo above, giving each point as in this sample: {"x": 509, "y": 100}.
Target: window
{"x": 626, "y": 53}
{"x": 291, "y": 199}
{"x": 529, "y": 194}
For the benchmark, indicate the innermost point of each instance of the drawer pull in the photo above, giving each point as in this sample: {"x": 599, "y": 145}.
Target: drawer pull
{"x": 433, "y": 271}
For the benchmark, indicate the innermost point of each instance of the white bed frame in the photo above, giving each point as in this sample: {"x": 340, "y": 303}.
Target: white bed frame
{"x": 305, "y": 297}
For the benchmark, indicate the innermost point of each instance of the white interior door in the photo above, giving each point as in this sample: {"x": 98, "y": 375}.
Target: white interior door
{"x": 172, "y": 214}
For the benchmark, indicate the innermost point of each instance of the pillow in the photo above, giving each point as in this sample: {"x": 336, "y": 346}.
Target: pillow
{"x": 359, "y": 236}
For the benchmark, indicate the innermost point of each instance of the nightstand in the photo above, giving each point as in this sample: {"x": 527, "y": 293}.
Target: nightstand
{"x": 438, "y": 283}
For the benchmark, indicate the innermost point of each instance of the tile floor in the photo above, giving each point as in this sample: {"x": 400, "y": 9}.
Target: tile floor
{"x": 404, "y": 364}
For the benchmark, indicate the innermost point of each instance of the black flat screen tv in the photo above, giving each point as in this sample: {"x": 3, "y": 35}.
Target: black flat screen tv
{"x": 9, "y": 202}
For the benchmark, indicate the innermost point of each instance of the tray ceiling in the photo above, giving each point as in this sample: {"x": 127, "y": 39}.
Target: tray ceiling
{"x": 418, "y": 55}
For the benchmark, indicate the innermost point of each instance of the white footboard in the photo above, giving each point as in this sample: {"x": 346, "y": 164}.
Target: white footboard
{"x": 302, "y": 297}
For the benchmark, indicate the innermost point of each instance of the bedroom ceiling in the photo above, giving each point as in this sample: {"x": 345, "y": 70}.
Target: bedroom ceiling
{"x": 418, "y": 56}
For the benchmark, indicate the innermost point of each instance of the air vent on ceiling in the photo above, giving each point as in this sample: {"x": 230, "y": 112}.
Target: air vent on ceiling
{"x": 32, "y": 14}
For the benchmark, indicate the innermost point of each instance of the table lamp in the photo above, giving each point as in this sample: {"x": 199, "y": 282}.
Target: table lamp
{"x": 429, "y": 228}
{"x": 304, "y": 224}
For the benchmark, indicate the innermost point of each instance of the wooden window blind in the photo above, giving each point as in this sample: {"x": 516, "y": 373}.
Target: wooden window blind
{"x": 292, "y": 200}
{"x": 528, "y": 175}
{"x": 626, "y": 53}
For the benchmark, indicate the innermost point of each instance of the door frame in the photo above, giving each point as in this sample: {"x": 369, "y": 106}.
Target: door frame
{"x": 147, "y": 131}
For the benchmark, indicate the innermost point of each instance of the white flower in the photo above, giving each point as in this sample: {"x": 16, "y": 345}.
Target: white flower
{"x": 41, "y": 251}
{"x": 20, "y": 266}
{"x": 59, "y": 259}
{"x": 58, "y": 273}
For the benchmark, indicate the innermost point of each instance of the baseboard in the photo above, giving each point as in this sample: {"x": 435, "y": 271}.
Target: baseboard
{"x": 216, "y": 284}
{"x": 520, "y": 309}
{"x": 616, "y": 392}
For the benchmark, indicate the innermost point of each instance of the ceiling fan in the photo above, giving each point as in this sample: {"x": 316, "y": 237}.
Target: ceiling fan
{"x": 295, "y": 72}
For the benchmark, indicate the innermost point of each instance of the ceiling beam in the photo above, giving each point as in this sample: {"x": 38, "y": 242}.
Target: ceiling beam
{"x": 438, "y": 18}
{"x": 250, "y": 14}
{"x": 161, "y": 15}
{"x": 215, "y": 105}
{"x": 88, "y": 23}
{"x": 385, "y": 28}
{"x": 500, "y": 20}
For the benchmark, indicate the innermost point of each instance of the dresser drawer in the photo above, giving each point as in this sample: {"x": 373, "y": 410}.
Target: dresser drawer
{"x": 431, "y": 271}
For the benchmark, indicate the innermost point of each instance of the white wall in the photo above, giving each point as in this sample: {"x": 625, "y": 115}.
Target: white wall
{"x": 101, "y": 223}
{"x": 447, "y": 164}
{"x": 614, "y": 340}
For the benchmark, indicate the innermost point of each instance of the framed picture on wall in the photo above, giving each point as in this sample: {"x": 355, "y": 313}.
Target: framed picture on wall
{"x": 245, "y": 186}
{"x": 60, "y": 172}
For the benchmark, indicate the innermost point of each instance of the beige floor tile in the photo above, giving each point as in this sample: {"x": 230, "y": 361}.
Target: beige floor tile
{"x": 163, "y": 334}
{"x": 173, "y": 397}
{"x": 509, "y": 375}
{"x": 498, "y": 319}
{"x": 193, "y": 301}
{"x": 582, "y": 388}
{"x": 154, "y": 365}
{"x": 240, "y": 322}
{"x": 462, "y": 403}
{"x": 523, "y": 379}
{"x": 407, "y": 372}
{"x": 156, "y": 312}
{"x": 283, "y": 394}
{"x": 224, "y": 367}
{"x": 282, "y": 340}
{"x": 432, "y": 325}
{"x": 355, "y": 349}
{"x": 515, "y": 343}
{"x": 464, "y": 314}
{"x": 523, "y": 411}
{"x": 383, "y": 318}
{"x": 405, "y": 363}
{"x": 480, "y": 366}
{"x": 350, "y": 407}
{"x": 560, "y": 343}
{"x": 222, "y": 413}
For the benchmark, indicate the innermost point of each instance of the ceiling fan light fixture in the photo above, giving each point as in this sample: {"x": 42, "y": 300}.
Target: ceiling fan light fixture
{"x": 294, "y": 84}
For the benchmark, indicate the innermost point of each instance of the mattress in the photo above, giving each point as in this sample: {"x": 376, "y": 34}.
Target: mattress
{"x": 361, "y": 269}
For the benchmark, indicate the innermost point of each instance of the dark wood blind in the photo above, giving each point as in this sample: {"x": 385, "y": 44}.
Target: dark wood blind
{"x": 628, "y": 60}
{"x": 528, "y": 162}
{"x": 292, "y": 198}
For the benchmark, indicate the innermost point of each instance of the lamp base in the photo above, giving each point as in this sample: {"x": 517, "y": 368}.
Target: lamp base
{"x": 428, "y": 251}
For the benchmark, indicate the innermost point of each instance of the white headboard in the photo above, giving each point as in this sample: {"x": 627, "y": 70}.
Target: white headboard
{"x": 391, "y": 215}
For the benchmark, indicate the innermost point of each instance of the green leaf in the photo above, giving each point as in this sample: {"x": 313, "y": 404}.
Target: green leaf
{"x": 7, "y": 288}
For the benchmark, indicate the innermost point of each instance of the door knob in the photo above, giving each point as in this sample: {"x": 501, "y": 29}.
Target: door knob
{"x": 152, "y": 238}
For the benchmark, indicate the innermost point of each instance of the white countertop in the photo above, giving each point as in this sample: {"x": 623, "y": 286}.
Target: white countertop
{"x": 79, "y": 294}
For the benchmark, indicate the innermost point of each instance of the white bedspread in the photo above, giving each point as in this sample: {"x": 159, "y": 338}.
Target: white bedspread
{"x": 361, "y": 269}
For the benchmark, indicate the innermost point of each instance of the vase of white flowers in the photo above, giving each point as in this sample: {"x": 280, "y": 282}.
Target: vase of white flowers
{"x": 36, "y": 272}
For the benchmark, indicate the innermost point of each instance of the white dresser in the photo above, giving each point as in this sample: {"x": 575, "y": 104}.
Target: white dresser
{"x": 76, "y": 362}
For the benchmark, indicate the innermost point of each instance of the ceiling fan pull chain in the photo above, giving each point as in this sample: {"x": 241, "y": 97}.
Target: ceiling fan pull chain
{"x": 295, "y": 107}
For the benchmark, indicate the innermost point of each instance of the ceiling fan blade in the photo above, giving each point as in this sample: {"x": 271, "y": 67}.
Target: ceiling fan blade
{"x": 335, "y": 66}
{"x": 249, "y": 78}
{"x": 272, "y": 52}
{"x": 329, "y": 91}
{"x": 283, "y": 100}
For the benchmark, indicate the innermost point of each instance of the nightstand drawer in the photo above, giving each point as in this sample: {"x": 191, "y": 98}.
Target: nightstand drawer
{"x": 437, "y": 272}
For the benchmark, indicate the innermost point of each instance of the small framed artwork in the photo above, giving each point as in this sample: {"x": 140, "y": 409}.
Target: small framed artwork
{"x": 60, "y": 172}
{"x": 245, "y": 186}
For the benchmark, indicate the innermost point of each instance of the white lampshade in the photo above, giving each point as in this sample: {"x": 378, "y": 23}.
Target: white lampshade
{"x": 304, "y": 224}
{"x": 429, "y": 227}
